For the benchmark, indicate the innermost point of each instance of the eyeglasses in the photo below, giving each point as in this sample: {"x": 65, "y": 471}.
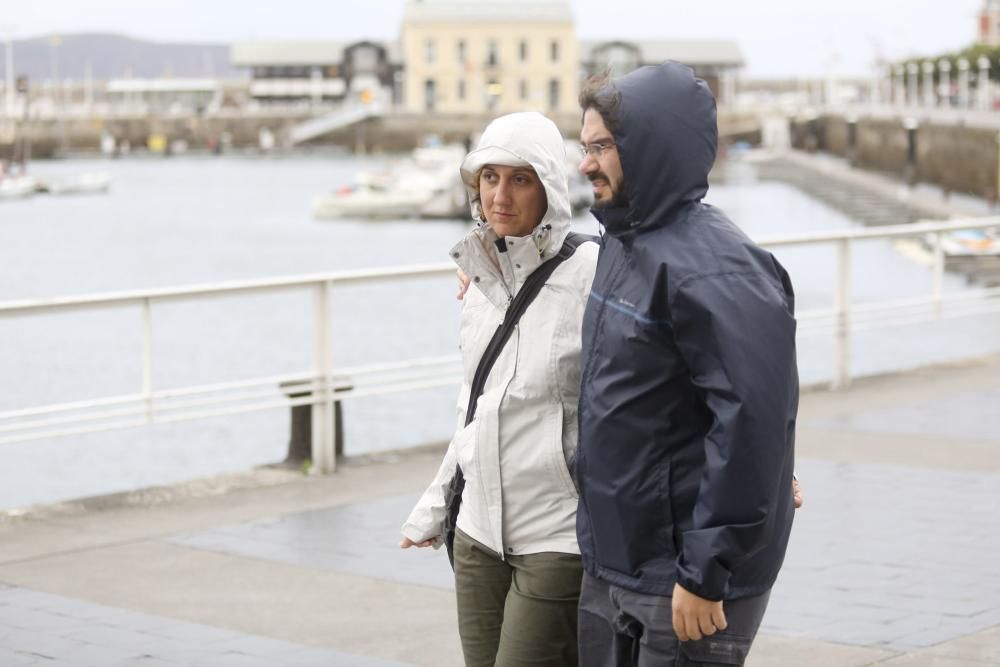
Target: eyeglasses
{"x": 597, "y": 149}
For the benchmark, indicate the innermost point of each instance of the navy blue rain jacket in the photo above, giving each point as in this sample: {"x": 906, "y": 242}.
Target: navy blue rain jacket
{"x": 689, "y": 381}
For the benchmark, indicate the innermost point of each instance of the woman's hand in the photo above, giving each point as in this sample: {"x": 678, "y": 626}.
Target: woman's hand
{"x": 406, "y": 543}
{"x": 797, "y": 497}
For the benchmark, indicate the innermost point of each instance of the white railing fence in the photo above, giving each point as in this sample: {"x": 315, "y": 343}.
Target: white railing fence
{"x": 324, "y": 385}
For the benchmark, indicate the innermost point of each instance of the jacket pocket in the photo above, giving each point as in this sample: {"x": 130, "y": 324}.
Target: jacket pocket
{"x": 719, "y": 649}
{"x": 559, "y": 464}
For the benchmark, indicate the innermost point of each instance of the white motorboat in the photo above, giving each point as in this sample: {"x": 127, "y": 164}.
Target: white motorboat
{"x": 88, "y": 183}
{"x": 971, "y": 243}
{"x": 425, "y": 185}
{"x": 370, "y": 201}
{"x": 17, "y": 187}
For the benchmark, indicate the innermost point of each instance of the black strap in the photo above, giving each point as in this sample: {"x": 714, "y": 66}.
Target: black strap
{"x": 529, "y": 290}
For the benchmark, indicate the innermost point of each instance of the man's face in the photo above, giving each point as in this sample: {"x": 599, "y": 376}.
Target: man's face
{"x": 601, "y": 163}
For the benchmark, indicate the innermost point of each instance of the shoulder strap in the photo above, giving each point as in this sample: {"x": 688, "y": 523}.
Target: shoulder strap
{"x": 529, "y": 290}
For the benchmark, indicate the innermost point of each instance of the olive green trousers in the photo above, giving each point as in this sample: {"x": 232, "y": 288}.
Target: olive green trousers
{"x": 517, "y": 612}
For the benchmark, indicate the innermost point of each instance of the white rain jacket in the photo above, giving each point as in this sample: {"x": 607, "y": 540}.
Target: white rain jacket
{"x": 518, "y": 452}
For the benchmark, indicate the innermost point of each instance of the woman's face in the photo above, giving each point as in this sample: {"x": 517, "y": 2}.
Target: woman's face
{"x": 512, "y": 198}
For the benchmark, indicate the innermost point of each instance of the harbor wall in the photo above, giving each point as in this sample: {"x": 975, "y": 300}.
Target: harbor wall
{"x": 955, "y": 157}
{"x": 397, "y": 131}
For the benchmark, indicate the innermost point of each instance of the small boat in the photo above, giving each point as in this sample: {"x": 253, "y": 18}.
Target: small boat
{"x": 17, "y": 187}
{"x": 87, "y": 183}
{"x": 971, "y": 243}
{"x": 426, "y": 185}
{"x": 370, "y": 201}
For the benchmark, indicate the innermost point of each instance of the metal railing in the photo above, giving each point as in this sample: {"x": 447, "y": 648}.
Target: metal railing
{"x": 318, "y": 387}
{"x": 323, "y": 385}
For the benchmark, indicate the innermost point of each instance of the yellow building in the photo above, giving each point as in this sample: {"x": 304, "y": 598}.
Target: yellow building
{"x": 477, "y": 57}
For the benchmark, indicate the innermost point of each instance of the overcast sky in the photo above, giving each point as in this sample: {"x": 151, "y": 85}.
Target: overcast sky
{"x": 778, "y": 37}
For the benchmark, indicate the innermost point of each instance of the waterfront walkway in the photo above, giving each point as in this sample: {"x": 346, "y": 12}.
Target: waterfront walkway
{"x": 893, "y": 559}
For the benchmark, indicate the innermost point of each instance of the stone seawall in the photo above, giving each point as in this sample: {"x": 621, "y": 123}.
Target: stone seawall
{"x": 955, "y": 157}
{"x": 392, "y": 132}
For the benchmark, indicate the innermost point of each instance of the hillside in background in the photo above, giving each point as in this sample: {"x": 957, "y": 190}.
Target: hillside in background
{"x": 108, "y": 56}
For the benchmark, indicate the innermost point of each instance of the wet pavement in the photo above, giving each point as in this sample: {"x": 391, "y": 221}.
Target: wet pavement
{"x": 892, "y": 560}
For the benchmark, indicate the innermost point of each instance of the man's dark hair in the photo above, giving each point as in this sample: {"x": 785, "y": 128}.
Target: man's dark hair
{"x": 599, "y": 93}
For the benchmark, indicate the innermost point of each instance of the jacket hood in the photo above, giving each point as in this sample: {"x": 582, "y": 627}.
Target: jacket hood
{"x": 667, "y": 138}
{"x": 525, "y": 139}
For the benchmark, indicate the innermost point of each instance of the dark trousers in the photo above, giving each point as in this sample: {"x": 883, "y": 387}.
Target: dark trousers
{"x": 516, "y": 612}
{"x": 620, "y": 628}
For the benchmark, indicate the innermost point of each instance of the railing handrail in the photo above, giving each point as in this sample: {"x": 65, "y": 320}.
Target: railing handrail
{"x": 229, "y": 288}
{"x": 226, "y": 288}
{"x": 882, "y": 232}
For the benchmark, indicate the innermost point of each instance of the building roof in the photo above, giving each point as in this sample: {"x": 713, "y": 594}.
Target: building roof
{"x": 475, "y": 11}
{"x": 248, "y": 54}
{"x": 718, "y": 53}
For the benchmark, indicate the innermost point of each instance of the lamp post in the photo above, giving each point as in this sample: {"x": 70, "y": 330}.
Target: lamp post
{"x": 9, "y": 72}
{"x": 899, "y": 86}
{"x": 984, "y": 83}
{"x": 963, "y": 83}
{"x": 944, "y": 66}
{"x": 928, "y": 88}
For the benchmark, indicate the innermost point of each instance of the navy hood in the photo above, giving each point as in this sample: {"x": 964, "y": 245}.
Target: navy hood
{"x": 667, "y": 138}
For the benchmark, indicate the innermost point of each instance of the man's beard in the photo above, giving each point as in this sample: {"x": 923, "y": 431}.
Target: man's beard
{"x": 617, "y": 199}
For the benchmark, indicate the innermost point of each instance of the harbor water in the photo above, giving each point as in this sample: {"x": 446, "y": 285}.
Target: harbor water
{"x": 194, "y": 220}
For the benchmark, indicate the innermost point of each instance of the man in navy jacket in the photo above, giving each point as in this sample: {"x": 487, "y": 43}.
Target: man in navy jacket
{"x": 689, "y": 390}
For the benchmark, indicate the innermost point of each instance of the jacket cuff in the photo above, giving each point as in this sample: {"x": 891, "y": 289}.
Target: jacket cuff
{"x": 710, "y": 582}
{"x": 415, "y": 534}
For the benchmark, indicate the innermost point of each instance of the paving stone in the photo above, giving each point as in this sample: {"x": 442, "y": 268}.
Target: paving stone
{"x": 360, "y": 538}
{"x": 193, "y": 634}
{"x": 146, "y": 661}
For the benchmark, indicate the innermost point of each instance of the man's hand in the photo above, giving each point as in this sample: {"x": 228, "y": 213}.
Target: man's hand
{"x": 406, "y": 543}
{"x": 797, "y": 498}
{"x": 463, "y": 284}
{"x": 696, "y": 617}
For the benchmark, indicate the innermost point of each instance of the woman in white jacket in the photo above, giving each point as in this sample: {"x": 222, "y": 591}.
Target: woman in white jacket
{"x": 517, "y": 564}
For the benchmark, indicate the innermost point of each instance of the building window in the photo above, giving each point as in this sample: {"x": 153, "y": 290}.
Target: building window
{"x": 554, "y": 51}
{"x": 429, "y": 51}
{"x": 524, "y": 89}
{"x": 492, "y": 53}
{"x": 430, "y": 90}
{"x": 554, "y": 94}
{"x": 460, "y": 52}
{"x": 523, "y": 50}
{"x": 493, "y": 91}
{"x": 461, "y": 89}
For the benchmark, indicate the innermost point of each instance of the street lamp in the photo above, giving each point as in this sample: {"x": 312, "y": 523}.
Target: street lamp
{"x": 928, "y": 83}
{"x": 912, "y": 72}
{"x": 984, "y": 83}
{"x": 9, "y": 71}
{"x": 899, "y": 86}
{"x": 944, "y": 66}
{"x": 963, "y": 83}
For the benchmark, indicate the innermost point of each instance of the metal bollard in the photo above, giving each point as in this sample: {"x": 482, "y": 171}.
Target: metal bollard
{"x": 300, "y": 435}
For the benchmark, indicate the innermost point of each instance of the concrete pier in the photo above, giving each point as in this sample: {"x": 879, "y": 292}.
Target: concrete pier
{"x": 892, "y": 560}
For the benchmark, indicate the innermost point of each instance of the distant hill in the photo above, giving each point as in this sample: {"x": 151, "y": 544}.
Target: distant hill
{"x": 109, "y": 56}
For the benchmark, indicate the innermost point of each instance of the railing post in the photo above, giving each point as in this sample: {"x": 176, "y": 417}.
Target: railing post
{"x": 937, "y": 277}
{"x": 842, "y": 308}
{"x": 324, "y": 457}
{"x": 147, "y": 358}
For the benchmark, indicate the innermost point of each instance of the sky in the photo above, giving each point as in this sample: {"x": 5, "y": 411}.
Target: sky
{"x": 779, "y": 38}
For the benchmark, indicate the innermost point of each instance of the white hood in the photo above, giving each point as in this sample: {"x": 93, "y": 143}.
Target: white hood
{"x": 518, "y": 139}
